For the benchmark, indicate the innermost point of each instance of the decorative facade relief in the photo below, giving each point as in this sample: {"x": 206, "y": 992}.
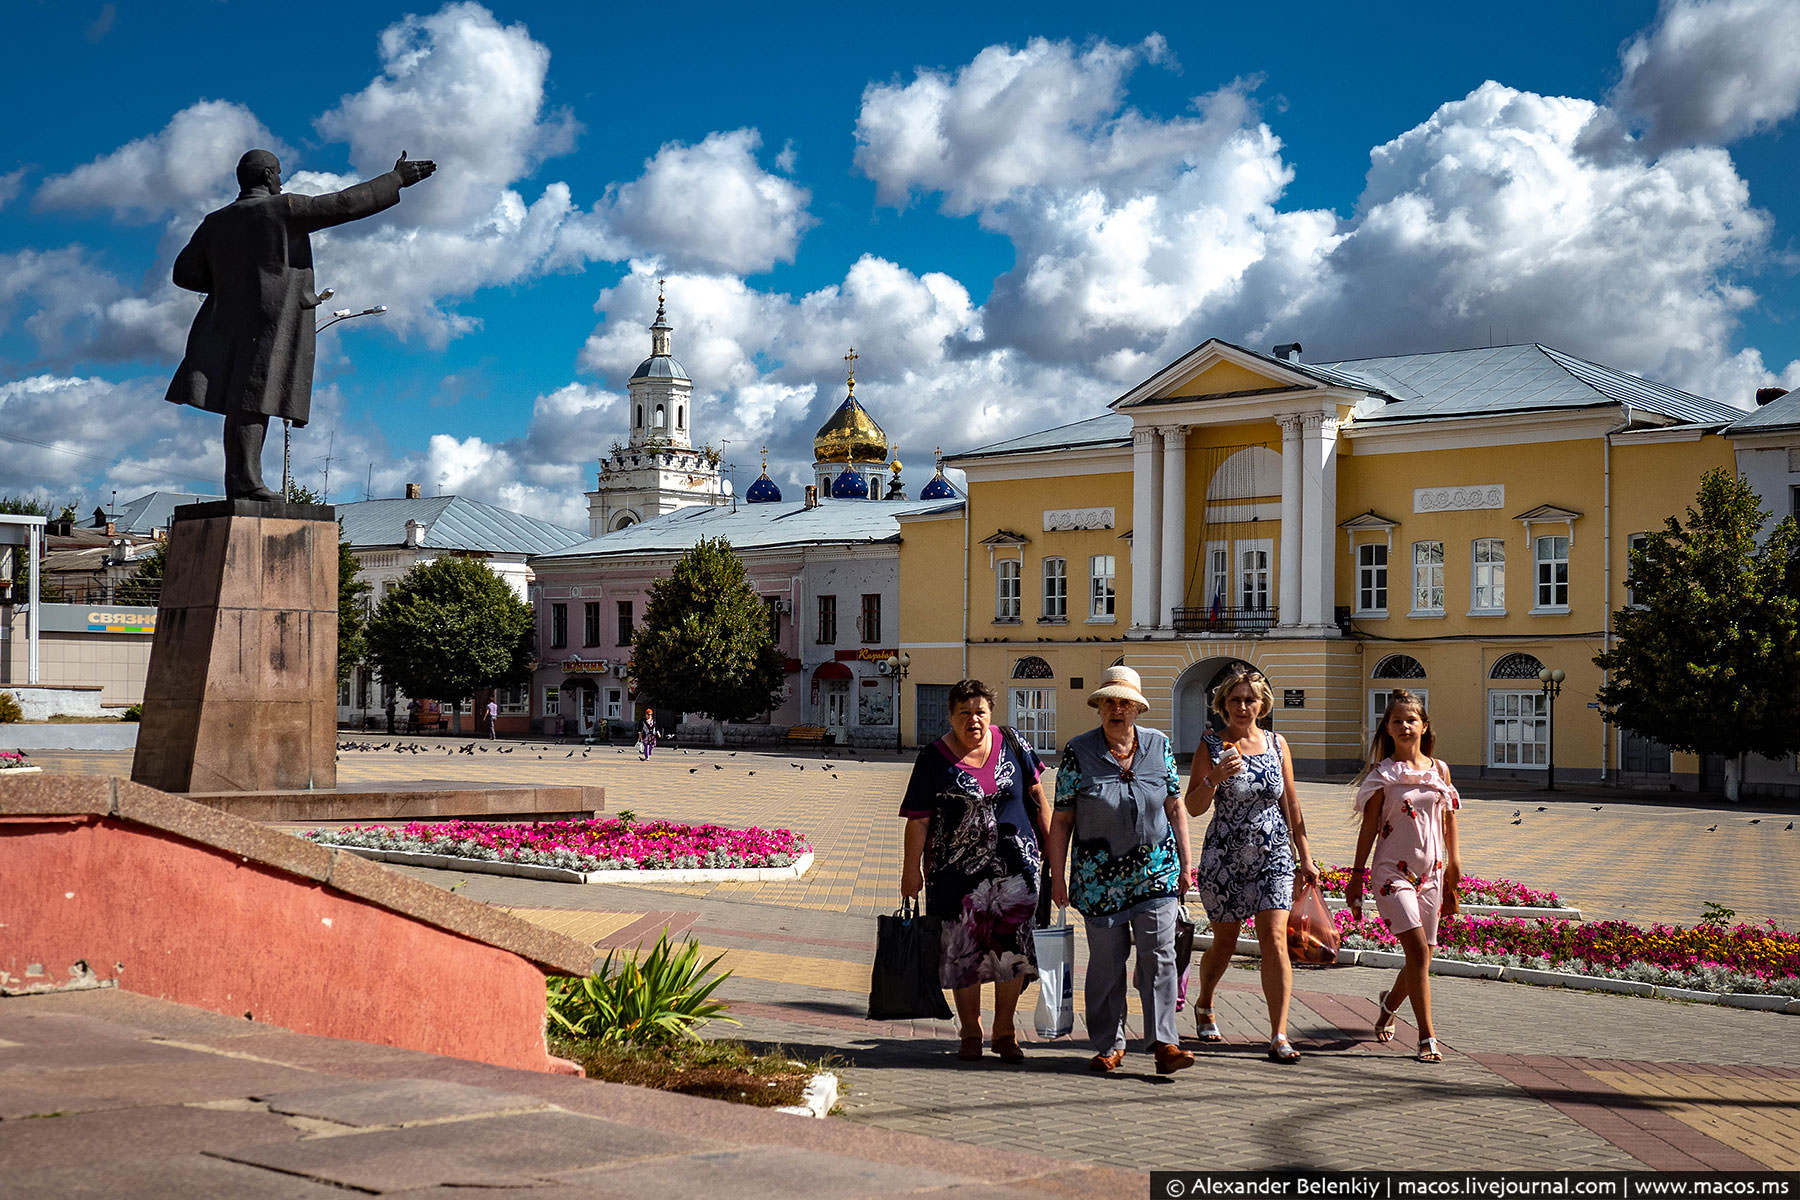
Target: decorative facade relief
{"x": 1453, "y": 499}
{"x": 1057, "y": 519}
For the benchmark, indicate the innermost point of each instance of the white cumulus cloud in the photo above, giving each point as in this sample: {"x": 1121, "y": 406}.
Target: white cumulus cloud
{"x": 185, "y": 167}
{"x": 1712, "y": 71}
{"x": 711, "y": 207}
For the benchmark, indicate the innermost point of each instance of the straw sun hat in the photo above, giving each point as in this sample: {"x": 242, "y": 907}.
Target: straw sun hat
{"x": 1119, "y": 683}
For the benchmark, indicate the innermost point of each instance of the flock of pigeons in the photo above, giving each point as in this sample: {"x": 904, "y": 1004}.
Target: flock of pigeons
{"x": 1518, "y": 818}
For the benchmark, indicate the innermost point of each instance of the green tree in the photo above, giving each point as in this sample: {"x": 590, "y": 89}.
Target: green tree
{"x": 353, "y": 607}
{"x": 448, "y": 627}
{"x": 144, "y": 585}
{"x": 705, "y": 645}
{"x": 1708, "y": 657}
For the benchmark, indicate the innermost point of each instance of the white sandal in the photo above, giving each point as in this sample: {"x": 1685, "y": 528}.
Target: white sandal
{"x": 1281, "y": 1051}
{"x": 1384, "y": 1024}
{"x": 1206, "y": 1028}
{"x": 1429, "y": 1051}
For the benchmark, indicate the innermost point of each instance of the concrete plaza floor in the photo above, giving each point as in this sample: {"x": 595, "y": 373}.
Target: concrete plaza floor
{"x": 1534, "y": 1078}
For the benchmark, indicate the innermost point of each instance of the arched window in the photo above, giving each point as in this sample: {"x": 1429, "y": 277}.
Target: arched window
{"x": 1516, "y": 666}
{"x": 1399, "y": 666}
{"x": 640, "y": 415}
{"x": 681, "y": 416}
{"x": 1032, "y": 667}
{"x": 662, "y": 418}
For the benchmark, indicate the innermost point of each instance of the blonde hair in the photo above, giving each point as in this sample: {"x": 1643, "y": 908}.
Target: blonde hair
{"x": 1242, "y": 675}
{"x": 1381, "y": 746}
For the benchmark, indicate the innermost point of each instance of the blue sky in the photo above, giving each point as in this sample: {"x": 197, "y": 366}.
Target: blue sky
{"x": 1013, "y": 215}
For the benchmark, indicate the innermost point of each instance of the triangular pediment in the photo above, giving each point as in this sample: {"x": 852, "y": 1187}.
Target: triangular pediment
{"x": 1217, "y": 370}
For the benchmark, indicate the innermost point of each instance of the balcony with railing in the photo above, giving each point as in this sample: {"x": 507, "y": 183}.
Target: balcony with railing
{"x": 1223, "y": 622}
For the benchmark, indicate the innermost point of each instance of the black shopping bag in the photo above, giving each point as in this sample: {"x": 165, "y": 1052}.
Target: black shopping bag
{"x": 904, "y": 981}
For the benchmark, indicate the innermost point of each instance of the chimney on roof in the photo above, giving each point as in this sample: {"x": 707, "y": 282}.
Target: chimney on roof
{"x": 1769, "y": 395}
{"x": 812, "y": 496}
{"x": 1288, "y": 352}
{"x": 415, "y": 530}
{"x": 412, "y": 491}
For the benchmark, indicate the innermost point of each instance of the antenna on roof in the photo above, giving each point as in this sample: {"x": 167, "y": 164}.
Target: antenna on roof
{"x": 369, "y": 486}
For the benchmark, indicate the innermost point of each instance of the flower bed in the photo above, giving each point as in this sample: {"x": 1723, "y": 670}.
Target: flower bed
{"x": 11, "y": 760}
{"x": 1505, "y": 893}
{"x": 613, "y": 844}
{"x": 1706, "y": 957}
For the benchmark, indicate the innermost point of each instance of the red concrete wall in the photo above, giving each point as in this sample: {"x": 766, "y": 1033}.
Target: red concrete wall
{"x": 168, "y": 918}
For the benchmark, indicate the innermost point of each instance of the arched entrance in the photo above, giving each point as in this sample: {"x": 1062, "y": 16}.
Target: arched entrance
{"x": 831, "y": 698}
{"x": 1192, "y": 704}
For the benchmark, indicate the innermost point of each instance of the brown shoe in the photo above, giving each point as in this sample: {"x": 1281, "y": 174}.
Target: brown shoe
{"x": 1171, "y": 1058}
{"x": 1106, "y": 1062}
{"x": 1006, "y": 1045}
{"x": 970, "y": 1049}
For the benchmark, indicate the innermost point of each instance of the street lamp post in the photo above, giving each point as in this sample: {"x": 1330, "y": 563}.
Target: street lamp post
{"x": 1552, "y": 682}
{"x": 342, "y": 314}
{"x": 897, "y": 665}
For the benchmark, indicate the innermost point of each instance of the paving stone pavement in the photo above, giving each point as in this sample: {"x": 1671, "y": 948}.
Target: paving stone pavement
{"x": 1533, "y": 1077}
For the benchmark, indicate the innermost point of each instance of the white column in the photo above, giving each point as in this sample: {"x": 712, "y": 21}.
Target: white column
{"x": 1287, "y": 587}
{"x": 1146, "y": 536}
{"x": 1174, "y": 521}
{"x": 1318, "y": 517}
{"x": 1328, "y": 543}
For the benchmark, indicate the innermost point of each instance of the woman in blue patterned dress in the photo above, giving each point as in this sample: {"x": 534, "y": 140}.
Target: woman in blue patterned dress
{"x": 972, "y": 809}
{"x": 1246, "y": 776}
{"x": 1118, "y": 798}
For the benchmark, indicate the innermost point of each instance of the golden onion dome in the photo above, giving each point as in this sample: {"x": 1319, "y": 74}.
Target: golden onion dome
{"x": 850, "y": 436}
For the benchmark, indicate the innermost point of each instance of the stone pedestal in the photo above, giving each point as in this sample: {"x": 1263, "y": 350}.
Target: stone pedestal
{"x": 242, "y": 688}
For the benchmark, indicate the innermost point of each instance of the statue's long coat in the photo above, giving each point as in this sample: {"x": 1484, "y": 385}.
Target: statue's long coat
{"x": 251, "y": 346}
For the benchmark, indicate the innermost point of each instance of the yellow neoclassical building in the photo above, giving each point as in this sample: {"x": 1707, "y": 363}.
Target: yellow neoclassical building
{"x": 1453, "y": 523}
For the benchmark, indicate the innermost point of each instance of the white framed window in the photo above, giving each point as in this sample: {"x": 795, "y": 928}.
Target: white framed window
{"x": 514, "y": 700}
{"x": 1006, "y": 591}
{"x": 1372, "y": 579}
{"x": 1378, "y": 702}
{"x": 1518, "y": 729}
{"x": 1218, "y": 574}
{"x": 1551, "y": 554}
{"x": 1056, "y": 589}
{"x": 1102, "y": 592}
{"x": 552, "y": 701}
{"x": 1487, "y": 577}
{"x": 1253, "y": 578}
{"x": 1428, "y": 579}
{"x": 1633, "y": 543}
{"x": 1034, "y": 716}
{"x": 615, "y": 703}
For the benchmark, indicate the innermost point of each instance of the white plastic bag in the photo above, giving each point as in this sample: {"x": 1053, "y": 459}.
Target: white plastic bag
{"x": 1055, "y": 1015}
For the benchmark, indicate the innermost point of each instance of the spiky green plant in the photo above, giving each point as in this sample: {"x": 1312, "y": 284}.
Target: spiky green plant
{"x": 662, "y": 998}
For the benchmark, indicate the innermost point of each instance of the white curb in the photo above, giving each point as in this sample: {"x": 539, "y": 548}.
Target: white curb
{"x": 484, "y": 866}
{"x": 1524, "y": 911}
{"x": 819, "y": 1098}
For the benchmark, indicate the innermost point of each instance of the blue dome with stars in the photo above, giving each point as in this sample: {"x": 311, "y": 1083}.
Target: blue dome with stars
{"x": 849, "y": 486}
{"x": 763, "y": 491}
{"x": 938, "y": 489}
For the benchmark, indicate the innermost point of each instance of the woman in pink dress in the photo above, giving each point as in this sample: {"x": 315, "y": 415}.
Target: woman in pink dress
{"x": 1408, "y": 807}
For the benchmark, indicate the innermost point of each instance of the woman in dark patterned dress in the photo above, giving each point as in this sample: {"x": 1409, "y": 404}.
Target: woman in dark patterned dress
{"x": 972, "y": 810}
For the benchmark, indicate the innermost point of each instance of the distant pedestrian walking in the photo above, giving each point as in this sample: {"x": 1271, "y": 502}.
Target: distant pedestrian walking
{"x": 493, "y": 716}
{"x": 647, "y": 734}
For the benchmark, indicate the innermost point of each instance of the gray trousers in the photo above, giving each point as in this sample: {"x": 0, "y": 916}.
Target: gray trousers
{"x": 1152, "y": 927}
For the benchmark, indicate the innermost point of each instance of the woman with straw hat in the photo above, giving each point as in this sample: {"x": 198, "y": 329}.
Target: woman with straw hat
{"x": 1119, "y": 801}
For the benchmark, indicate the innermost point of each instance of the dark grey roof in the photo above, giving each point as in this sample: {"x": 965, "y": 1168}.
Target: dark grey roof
{"x": 152, "y": 511}
{"x": 1777, "y": 416}
{"x": 1502, "y": 379}
{"x": 660, "y": 366}
{"x": 1095, "y": 431}
{"x": 452, "y": 523}
{"x": 759, "y": 526}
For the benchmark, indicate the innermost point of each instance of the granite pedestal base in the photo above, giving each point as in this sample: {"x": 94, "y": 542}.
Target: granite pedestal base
{"x": 242, "y": 687}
